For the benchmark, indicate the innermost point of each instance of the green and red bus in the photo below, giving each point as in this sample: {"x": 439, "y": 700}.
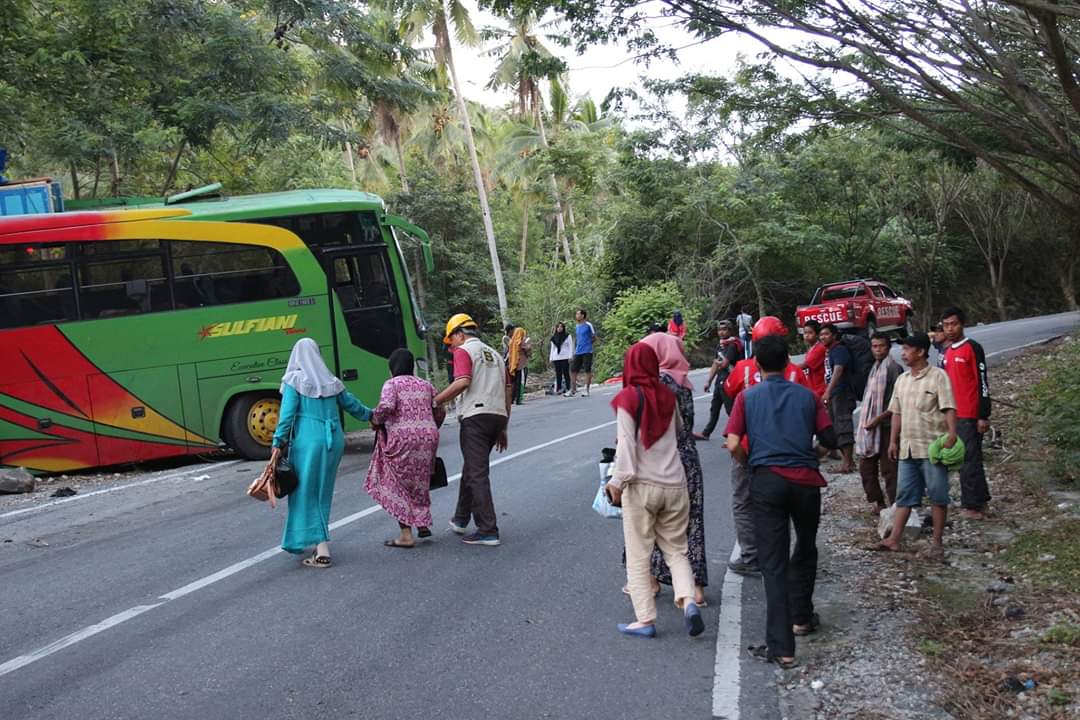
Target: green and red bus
{"x": 163, "y": 328}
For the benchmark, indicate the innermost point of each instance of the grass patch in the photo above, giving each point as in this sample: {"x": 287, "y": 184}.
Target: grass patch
{"x": 931, "y": 648}
{"x": 1062, "y": 634}
{"x": 954, "y": 598}
{"x": 1063, "y": 542}
{"x": 1051, "y": 410}
{"x": 1058, "y": 697}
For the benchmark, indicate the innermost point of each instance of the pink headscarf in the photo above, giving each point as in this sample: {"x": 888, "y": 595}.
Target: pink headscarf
{"x": 669, "y": 350}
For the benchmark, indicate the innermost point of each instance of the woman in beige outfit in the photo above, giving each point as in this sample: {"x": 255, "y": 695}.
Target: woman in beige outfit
{"x": 649, "y": 482}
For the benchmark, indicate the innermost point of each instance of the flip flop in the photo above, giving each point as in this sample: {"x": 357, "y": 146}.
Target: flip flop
{"x": 761, "y": 652}
{"x": 394, "y": 543}
{"x": 423, "y": 532}
{"x": 808, "y": 629}
{"x": 880, "y": 547}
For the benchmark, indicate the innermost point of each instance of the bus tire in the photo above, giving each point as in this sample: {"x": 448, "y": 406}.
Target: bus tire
{"x": 250, "y": 422}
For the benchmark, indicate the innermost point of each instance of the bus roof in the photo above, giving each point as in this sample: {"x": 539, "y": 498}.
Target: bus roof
{"x": 16, "y": 224}
{"x": 262, "y": 205}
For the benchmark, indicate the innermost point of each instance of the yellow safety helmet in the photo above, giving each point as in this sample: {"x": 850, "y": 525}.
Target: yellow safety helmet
{"x": 456, "y": 323}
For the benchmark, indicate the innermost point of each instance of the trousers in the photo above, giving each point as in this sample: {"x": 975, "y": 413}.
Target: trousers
{"x": 789, "y": 580}
{"x": 720, "y": 401}
{"x": 974, "y": 490}
{"x": 478, "y": 436}
{"x": 655, "y": 516}
{"x": 743, "y": 512}
{"x": 870, "y": 468}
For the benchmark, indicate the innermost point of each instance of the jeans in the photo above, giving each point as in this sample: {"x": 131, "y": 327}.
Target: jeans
{"x": 789, "y": 580}
{"x": 974, "y": 490}
{"x": 478, "y": 436}
{"x": 919, "y": 475}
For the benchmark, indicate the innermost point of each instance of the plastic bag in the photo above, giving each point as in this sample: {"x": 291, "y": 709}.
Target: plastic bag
{"x": 601, "y": 504}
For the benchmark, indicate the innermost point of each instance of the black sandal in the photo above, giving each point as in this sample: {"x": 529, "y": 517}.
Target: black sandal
{"x": 423, "y": 532}
{"x": 761, "y": 652}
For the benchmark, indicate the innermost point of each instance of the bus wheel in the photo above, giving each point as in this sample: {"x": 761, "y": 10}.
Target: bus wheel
{"x": 250, "y": 425}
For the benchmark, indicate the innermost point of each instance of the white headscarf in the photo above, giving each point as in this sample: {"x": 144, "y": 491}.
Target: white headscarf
{"x": 307, "y": 372}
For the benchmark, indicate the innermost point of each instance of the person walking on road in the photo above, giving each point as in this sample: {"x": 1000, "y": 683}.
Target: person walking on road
{"x": 746, "y": 374}
{"x": 814, "y": 360}
{"x": 839, "y": 397}
{"x": 674, "y": 374}
{"x": 649, "y": 482}
{"x": 584, "y": 337}
{"x": 406, "y": 441}
{"x": 965, "y": 364}
{"x": 309, "y": 425}
{"x": 745, "y": 322}
{"x": 875, "y": 427}
{"x": 778, "y": 420}
{"x": 922, "y": 410}
{"x": 677, "y": 326}
{"x": 517, "y": 362}
{"x": 562, "y": 349}
{"x": 728, "y": 353}
{"x": 484, "y": 413}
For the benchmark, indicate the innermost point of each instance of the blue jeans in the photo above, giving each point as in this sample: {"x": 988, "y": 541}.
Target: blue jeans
{"x": 918, "y": 475}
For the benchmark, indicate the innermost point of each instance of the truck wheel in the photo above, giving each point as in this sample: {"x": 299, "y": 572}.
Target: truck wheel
{"x": 250, "y": 422}
{"x": 907, "y": 330}
{"x": 871, "y": 328}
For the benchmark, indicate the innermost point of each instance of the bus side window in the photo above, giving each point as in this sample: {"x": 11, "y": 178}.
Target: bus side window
{"x": 122, "y": 278}
{"x": 210, "y": 273}
{"x": 35, "y": 285}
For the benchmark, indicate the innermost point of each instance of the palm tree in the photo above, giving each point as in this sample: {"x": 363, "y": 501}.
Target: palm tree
{"x": 439, "y": 15}
{"x": 523, "y": 63}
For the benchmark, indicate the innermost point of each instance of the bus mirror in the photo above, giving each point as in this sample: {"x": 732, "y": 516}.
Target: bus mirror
{"x": 418, "y": 233}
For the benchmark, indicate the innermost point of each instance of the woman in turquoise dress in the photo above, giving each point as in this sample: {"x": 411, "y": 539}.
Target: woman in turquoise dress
{"x": 309, "y": 425}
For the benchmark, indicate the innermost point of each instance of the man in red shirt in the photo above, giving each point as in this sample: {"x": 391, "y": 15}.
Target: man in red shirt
{"x": 965, "y": 364}
{"x": 814, "y": 361}
{"x": 746, "y": 374}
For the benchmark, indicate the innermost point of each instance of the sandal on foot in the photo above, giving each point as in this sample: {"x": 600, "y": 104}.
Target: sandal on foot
{"x": 761, "y": 652}
{"x": 424, "y": 532}
{"x": 395, "y": 543}
{"x": 880, "y": 547}
{"x": 317, "y": 561}
{"x": 808, "y": 629}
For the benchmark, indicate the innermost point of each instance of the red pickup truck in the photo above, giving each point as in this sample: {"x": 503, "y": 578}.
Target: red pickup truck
{"x": 863, "y": 306}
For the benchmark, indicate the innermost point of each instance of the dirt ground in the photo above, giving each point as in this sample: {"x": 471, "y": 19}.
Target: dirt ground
{"x": 994, "y": 632}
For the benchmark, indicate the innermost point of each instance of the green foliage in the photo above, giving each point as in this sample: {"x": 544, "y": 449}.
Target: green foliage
{"x": 544, "y": 298}
{"x": 1052, "y": 412}
{"x": 630, "y": 317}
{"x": 1063, "y": 542}
{"x": 1062, "y": 634}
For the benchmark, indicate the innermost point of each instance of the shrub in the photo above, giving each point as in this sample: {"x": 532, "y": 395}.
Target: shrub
{"x": 1052, "y": 412}
{"x": 630, "y": 317}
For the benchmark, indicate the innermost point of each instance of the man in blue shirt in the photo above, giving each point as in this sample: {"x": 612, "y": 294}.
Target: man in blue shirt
{"x": 772, "y": 428}
{"x": 584, "y": 336}
{"x": 839, "y": 396}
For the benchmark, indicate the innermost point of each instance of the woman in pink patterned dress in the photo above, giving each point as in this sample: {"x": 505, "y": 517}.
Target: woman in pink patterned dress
{"x": 407, "y": 439}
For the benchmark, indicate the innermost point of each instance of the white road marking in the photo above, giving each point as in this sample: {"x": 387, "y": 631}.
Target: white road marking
{"x": 75, "y": 637}
{"x": 1033, "y": 343}
{"x": 195, "y": 586}
{"x": 726, "y": 681}
{"x": 103, "y": 491}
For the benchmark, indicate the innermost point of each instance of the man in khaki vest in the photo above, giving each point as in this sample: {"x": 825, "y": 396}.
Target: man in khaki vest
{"x": 480, "y": 378}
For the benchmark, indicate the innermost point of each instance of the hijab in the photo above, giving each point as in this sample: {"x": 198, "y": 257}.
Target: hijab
{"x": 641, "y": 372}
{"x": 307, "y": 372}
{"x": 669, "y": 352}
{"x": 516, "y": 358}
{"x": 558, "y": 337}
{"x": 677, "y": 317}
{"x": 402, "y": 362}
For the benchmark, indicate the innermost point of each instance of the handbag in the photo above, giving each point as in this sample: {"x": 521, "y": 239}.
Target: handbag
{"x": 601, "y": 503}
{"x": 438, "y": 475}
{"x": 284, "y": 482}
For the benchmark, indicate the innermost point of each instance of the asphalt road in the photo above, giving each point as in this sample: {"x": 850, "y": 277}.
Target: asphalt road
{"x": 165, "y": 598}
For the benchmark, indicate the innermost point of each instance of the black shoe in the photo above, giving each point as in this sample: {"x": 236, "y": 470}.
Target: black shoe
{"x": 741, "y": 568}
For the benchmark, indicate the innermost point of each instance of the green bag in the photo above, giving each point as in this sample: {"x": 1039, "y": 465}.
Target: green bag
{"x": 952, "y": 458}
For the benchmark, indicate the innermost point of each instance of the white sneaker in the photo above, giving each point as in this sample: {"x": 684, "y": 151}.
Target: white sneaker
{"x": 568, "y": 394}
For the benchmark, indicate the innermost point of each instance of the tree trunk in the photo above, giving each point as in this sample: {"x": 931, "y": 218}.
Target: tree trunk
{"x": 997, "y": 285}
{"x": 524, "y": 235}
{"x": 74, "y": 181}
{"x": 560, "y": 225}
{"x": 350, "y": 161}
{"x": 114, "y": 168}
{"x": 175, "y": 165}
{"x": 1067, "y": 281}
{"x": 478, "y": 177}
{"x": 573, "y": 228}
{"x": 97, "y": 177}
{"x": 401, "y": 161}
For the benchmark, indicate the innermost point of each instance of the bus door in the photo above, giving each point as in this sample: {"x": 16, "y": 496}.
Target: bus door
{"x": 364, "y": 285}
